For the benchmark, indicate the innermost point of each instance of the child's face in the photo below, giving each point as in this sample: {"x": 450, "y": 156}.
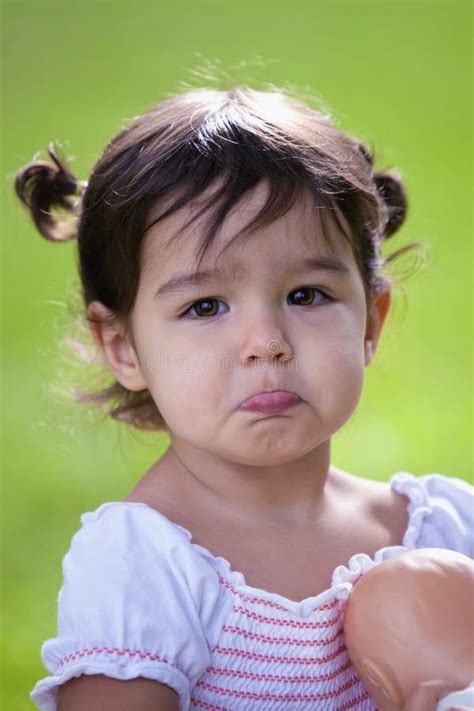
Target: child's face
{"x": 262, "y": 333}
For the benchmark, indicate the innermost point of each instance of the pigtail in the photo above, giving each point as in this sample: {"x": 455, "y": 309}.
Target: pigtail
{"x": 45, "y": 187}
{"x": 392, "y": 192}
{"x": 390, "y": 189}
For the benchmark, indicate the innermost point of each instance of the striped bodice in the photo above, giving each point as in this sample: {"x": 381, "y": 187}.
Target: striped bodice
{"x": 269, "y": 657}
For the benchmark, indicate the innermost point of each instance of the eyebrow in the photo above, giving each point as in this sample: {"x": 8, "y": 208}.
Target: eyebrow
{"x": 235, "y": 271}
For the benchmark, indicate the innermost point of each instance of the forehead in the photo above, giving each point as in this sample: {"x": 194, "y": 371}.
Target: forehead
{"x": 306, "y": 230}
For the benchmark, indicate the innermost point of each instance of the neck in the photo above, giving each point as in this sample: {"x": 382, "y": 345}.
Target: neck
{"x": 290, "y": 493}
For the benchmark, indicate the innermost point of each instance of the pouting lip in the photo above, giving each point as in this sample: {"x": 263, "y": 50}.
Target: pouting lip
{"x": 267, "y": 392}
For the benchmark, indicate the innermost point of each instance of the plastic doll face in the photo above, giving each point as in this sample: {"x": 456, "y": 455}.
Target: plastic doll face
{"x": 268, "y": 322}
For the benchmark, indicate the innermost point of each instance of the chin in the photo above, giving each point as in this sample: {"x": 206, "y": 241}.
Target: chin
{"x": 267, "y": 451}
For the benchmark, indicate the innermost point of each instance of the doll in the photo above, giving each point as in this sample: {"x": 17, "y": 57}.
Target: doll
{"x": 411, "y": 620}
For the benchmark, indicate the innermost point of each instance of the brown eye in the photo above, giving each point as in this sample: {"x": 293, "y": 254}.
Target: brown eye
{"x": 204, "y": 308}
{"x": 305, "y": 296}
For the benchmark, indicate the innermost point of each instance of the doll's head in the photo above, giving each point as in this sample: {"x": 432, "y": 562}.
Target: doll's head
{"x": 411, "y": 620}
{"x": 251, "y": 183}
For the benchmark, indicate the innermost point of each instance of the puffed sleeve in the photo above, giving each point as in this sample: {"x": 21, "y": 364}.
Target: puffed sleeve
{"x": 441, "y": 511}
{"x": 137, "y": 600}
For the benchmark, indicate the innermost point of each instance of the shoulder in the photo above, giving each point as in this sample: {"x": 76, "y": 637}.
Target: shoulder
{"x": 128, "y": 561}
{"x": 131, "y": 541}
{"x": 126, "y": 524}
{"x": 433, "y": 485}
{"x": 136, "y": 600}
{"x": 440, "y": 510}
{"x": 383, "y": 510}
{"x": 432, "y": 510}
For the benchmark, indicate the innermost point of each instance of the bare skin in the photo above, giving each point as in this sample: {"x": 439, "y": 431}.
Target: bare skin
{"x": 289, "y": 556}
{"x": 100, "y": 693}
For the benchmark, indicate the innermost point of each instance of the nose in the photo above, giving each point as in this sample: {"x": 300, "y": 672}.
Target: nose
{"x": 264, "y": 339}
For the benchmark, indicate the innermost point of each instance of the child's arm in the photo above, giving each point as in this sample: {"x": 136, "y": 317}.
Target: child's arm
{"x": 98, "y": 692}
{"x": 137, "y": 602}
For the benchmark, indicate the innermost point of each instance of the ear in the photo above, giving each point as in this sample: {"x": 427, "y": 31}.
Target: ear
{"x": 118, "y": 353}
{"x": 381, "y": 683}
{"x": 375, "y": 320}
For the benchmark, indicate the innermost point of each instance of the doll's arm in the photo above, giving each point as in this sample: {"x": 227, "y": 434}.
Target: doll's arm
{"x": 428, "y": 696}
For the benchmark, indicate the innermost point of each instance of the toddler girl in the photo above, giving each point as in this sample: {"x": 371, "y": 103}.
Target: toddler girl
{"x": 229, "y": 255}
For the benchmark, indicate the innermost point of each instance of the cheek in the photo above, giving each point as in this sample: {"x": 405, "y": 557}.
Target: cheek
{"x": 185, "y": 384}
{"x": 338, "y": 379}
{"x": 187, "y": 389}
{"x": 342, "y": 374}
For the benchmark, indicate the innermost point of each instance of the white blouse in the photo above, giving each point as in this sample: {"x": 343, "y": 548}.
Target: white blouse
{"x": 139, "y": 598}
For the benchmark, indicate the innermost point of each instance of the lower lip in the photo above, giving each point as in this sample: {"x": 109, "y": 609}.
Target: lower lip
{"x": 271, "y": 402}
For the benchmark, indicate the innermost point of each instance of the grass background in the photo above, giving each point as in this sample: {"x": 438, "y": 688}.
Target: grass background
{"x": 396, "y": 74}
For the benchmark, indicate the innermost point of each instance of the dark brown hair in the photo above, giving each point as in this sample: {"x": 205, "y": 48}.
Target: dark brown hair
{"x": 169, "y": 156}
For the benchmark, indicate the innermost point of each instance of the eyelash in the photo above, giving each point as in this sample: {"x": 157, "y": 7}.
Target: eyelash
{"x": 185, "y": 314}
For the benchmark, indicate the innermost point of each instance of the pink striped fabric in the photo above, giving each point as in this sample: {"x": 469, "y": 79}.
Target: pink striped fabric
{"x": 270, "y": 658}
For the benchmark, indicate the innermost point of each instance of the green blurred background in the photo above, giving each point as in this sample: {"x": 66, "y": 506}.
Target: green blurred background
{"x": 395, "y": 74}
